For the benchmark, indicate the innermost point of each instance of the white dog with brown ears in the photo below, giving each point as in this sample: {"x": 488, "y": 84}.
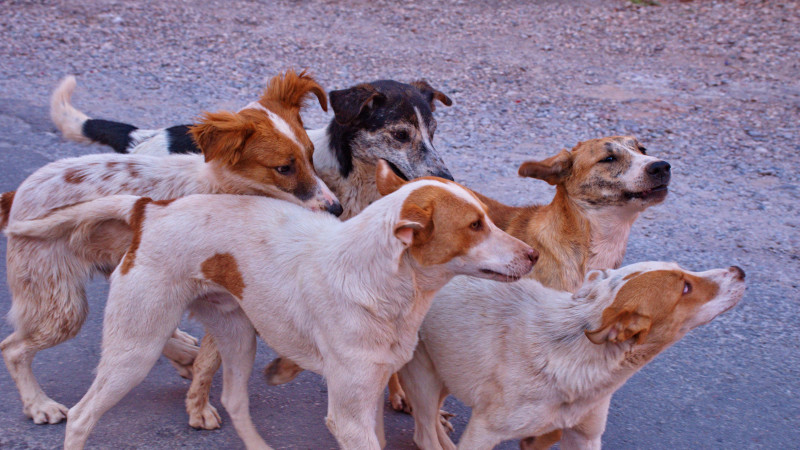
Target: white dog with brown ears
{"x": 257, "y": 151}
{"x": 343, "y": 299}
{"x": 531, "y": 361}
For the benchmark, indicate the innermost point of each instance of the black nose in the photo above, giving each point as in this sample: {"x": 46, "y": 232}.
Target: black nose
{"x": 737, "y": 272}
{"x": 444, "y": 174}
{"x": 658, "y": 169}
{"x": 335, "y": 209}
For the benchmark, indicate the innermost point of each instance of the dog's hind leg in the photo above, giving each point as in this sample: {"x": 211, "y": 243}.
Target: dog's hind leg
{"x": 46, "y": 310}
{"x": 425, "y": 393}
{"x": 235, "y": 337}
{"x": 201, "y": 413}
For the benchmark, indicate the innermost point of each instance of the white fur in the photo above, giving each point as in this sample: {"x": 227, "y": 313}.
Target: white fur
{"x": 149, "y": 142}
{"x": 344, "y": 299}
{"x": 517, "y": 354}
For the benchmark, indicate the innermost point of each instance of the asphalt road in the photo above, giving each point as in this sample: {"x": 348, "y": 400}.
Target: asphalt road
{"x": 712, "y": 87}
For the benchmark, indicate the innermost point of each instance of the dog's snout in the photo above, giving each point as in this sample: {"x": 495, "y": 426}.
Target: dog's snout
{"x": 335, "y": 208}
{"x": 737, "y": 272}
{"x": 658, "y": 169}
{"x": 532, "y": 255}
{"x": 444, "y": 173}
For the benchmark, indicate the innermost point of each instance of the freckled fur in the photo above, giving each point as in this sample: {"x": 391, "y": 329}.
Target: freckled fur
{"x": 49, "y": 266}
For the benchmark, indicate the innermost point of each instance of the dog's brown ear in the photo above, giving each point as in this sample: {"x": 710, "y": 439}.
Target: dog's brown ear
{"x": 386, "y": 180}
{"x": 552, "y": 170}
{"x": 292, "y": 89}
{"x": 222, "y": 135}
{"x": 431, "y": 94}
{"x": 619, "y": 326}
{"x": 352, "y": 104}
{"x": 413, "y": 220}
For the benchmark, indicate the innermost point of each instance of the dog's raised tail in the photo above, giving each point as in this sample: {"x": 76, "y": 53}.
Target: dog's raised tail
{"x": 78, "y": 220}
{"x": 77, "y": 126}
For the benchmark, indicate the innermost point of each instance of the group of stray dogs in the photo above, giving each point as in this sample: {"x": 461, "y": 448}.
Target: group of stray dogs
{"x": 234, "y": 219}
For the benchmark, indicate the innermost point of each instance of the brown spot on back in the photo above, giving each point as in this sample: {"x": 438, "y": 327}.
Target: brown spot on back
{"x": 5, "y": 207}
{"x": 223, "y": 270}
{"x": 136, "y": 221}
{"x": 164, "y": 202}
{"x": 133, "y": 169}
{"x": 73, "y": 176}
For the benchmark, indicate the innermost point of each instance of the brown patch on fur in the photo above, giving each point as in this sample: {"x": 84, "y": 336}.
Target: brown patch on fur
{"x": 111, "y": 164}
{"x": 5, "y": 207}
{"x": 73, "y": 176}
{"x": 133, "y": 169}
{"x": 593, "y": 276}
{"x": 205, "y": 366}
{"x": 164, "y": 202}
{"x": 223, "y": 270}
{"x": 444, "y": 220}
{"x": 136, "y": 221}
{"x": 541, "y": 442}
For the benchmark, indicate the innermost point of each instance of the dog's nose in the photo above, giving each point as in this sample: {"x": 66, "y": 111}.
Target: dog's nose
{"x": 658, "y": 168}
{"x": 532, "y": 255}
{"x": 737, "y": 272}
{"x": 444, "y": 174}
{"x": 335, "y": 209}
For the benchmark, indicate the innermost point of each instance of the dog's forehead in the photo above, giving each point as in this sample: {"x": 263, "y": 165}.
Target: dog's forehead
{"x": 401, "y": 101}
{"x": 446, "y": 190}
{"x": 616, "y": 278}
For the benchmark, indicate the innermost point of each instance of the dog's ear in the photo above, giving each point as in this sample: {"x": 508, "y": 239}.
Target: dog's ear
{"x": 431, "y": 94}
{"x": 292, "y": 89}
{"x": 222, "y": 135}
{"x": 552, "y": 170}
{"x": 386, "y": 180}
{"x": 619, "y": 326}
{"x": 355, "y": 103}
{"x": 413, "y": 220}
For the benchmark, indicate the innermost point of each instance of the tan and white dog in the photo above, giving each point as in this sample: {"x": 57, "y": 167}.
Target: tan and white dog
{"x": 344, "y": 299}
{"x": 257, "y": 151}
{"x": 531, "y": 360}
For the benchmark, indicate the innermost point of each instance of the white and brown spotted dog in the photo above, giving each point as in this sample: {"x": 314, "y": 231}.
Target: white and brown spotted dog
{"x": 533, "y": 361}
{"x": 602, "y": 185}
{"x": 352, "y": 316}
{"x": 256, "y": 152}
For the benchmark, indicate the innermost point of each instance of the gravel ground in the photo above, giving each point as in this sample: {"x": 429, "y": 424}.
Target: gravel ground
{"x": 710, "y": 86}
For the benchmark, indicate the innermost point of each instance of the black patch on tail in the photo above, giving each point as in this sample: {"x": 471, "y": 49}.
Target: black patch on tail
{"x": 116, "y": 135}
{"x": 180, "y": 140}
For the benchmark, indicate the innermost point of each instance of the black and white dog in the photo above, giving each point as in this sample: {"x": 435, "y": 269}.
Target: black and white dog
{"x": 379, "y": 120}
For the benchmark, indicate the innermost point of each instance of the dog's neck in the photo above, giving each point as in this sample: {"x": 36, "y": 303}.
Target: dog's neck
{"x": 580, "y": 369}
{"x": 355, "y": 191}
{"x": 610, "y": 228}
{"x": 392, "y": 289}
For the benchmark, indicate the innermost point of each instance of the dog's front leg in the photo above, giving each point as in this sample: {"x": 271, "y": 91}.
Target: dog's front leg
{"x": 588, "y": 434}
{"x": 352, "y": 404}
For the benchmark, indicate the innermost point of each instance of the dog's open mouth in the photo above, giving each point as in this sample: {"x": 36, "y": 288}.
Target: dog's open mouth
{"x": 658, "y": 191}
{"x": 396, "y": 170}
{"x": 497, "y": 276}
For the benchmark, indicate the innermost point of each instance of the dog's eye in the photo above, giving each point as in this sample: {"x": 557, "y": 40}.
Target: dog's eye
{"x": 643, "y": 150}
{"x": 400, "y": 135}
{"x": 608, "y": 159}
{"x": 284, "y": 170}
{"x": 477, "y": 225}
{"x": 687, "y": 287}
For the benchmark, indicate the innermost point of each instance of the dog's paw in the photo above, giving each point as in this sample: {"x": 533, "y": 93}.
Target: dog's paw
{"x": 444, "y": 420}
{"x": 399, "y": 403}
{"x": 46, "y": 411}
{"x": 205, "y": 418}
{"x": 281, "y": 371}
{"x": 184, "y": 370}
{"x": 185, "y": 337}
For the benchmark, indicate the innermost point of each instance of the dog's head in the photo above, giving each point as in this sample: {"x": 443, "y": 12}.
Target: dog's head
{"x": 442, "y": 223}
{"x": 391, "y": 121}
{"x": 611, "y": 171}
{"x": 655, "y": 303}
{"x": 264, "y": 150}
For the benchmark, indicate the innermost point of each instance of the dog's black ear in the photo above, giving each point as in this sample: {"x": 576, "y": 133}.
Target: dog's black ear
{"x": 431, "y": 94}
{"x": 552, "y": 170}
{"x": 351, "y": 104}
